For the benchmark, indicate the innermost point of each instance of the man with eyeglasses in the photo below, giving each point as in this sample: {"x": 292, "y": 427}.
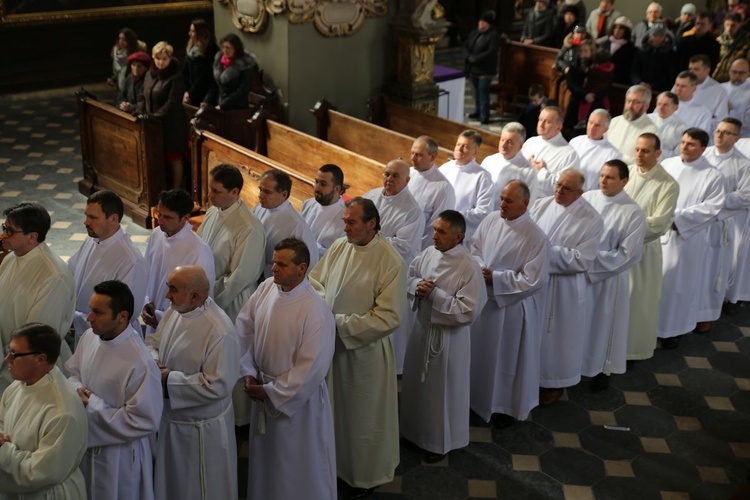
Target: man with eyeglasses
{"x": 36, "y": 283}
{"x": 738, "y": 89}
{"x": 685, "y": 247}
{"x": 574, "y": 229}
{"x": 728, "y": 238}
{"x": 43, "y": 425}
{"x": 625, "y": 129}
{"x": 402, "y": 224}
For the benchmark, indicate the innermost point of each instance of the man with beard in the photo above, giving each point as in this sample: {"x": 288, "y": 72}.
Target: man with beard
{"x": 625, "y": 129}
{"x": 323, "y": 212}
{"x": 107, "y": 253}
{"x": 429, "y": 187}
{"x": 509, "y": 163}
{"x": 738, "y": 89}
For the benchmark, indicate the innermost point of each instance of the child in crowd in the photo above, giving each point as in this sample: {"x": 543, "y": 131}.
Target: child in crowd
{"x": 530, "y": 115}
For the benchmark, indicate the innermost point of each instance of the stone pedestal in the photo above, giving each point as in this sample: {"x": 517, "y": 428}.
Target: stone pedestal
{"x": 412, "y": 82}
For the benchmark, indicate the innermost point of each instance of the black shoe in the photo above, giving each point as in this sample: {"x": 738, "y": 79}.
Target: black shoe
{"x": 502, "y": 421}
{"x": 599, "y": 383}
{"x": 486, "y": 121}
{"x": 670, "y": 343}
{"x": 732, "y": 308}
{"x": 473, "y": 116}
{"x": 432, "y": 458}
{"x": 361, "y": 492}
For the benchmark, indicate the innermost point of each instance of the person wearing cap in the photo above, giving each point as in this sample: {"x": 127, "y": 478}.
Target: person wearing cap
{"x": 687, "y": 20}
{"x": 127, "y": 95}
{"x": 621, "y": 49}
{"x": 539, "y": 28}
{"x": 565, "y": 24}
{"x": 653, "y": 14}
{"x": 699, "y": 41}
{"x": 481, "y": 46}
{"x": 601, "y": 20}
{"x": 578, "y": 5}
{"x": 653, "y": 62}
{"x": 568, "y": 55}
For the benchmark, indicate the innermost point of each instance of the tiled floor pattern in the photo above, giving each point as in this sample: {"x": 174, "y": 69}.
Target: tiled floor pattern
{"x": 674, "y": 427}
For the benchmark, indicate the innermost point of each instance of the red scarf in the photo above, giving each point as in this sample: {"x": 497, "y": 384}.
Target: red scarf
{"x": 225, "y": 61}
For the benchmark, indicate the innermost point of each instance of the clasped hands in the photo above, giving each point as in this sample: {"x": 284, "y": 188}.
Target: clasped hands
{"x": 254, "y": 389}
{"x": 425, "y": 288}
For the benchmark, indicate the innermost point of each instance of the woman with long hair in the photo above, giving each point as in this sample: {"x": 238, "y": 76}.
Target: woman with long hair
{"x": 127, "y": 43}
{"x": 197, "y": 70}
{"x": 232, "y": 69}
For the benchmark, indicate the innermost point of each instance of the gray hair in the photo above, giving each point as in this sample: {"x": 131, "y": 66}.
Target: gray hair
{"x": 603, "y": 112}
{"x": 661, "y": 9}
{"x": 430, "y": 143}
{"x": 517, "y": 128}
{"x": 640, "y": 89}
{"x": 577, "y": 172}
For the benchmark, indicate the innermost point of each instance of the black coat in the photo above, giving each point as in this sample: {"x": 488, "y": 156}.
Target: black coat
{"x": 162, "y": 98}
{"x": 129, "y": 92}
{"x": 197, "y": 72}
{"x": 654, "y": 65}
{"x": 232, "y": 84}
{"x": 689, "y": 46}
{"x": 540, "y": 27}
{"x": 482, "y": 48}
{"x": 623, "y": 61}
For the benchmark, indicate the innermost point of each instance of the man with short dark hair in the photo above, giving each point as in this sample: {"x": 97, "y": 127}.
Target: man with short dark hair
{"x": 471, "y": 183}
{"x": 625, "y": 129}
{"x": 236, "y": 237}
{"x": 107, "y": 253}
{"x": 669, "y": 126}
{"x": 734, "y": 44}
{"x": 120, "y": 386}
{"x": 197, "y": 352}
{"x": 173, "y": 244}
{"x": 36, "y": 283}
{"x": 607, "y": 283}
{"x": 691, "y": 111}
{"x": 447, "y": 294}
{"x": 362, "y": 279}
{"x": 708, "y": 92}
{"x": 323, "y": 212}
{"x": 280, "y": 219}
{"x": 43, "y": 425}
{"x": 685, "y": 247}
{"x": 513, "y": 253}
{"x": 284, "y": 370}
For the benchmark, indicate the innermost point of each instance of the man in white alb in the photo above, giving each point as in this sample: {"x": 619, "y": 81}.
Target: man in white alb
{"x": 197, "y": 352}
{"x": 669, "y": 126}
{"x": 513, "y": 253}
{"x": 738, "y": 91}
{"x": 691, "y": 111}
{"x": 323, "y": 212}
{"x": 656, "y": 192}
{"x": 362, "y": 279}
{"x": 120, "y": 386}
{"x": 447, "y": 292}
{"x": 107, "y": 253}
{"x": 36, "y": 283}
{"x": 593, "y": 149}
{"x": 429, "y": 187}
{"x": 509, "y": 163}
{"x": 685, "y": 247}
{"x": 625, "y": 129}
{"x": 279, "y": 217}
{"x": 548, "y": 152}
{"x": 607, "y": 283}
{"x": 708, "y": 91}
{"x": 43, "y": 425}
{"x": 574, "y": 229}
{"x": 471, "y": 183}
{"x": 173, "y": 244}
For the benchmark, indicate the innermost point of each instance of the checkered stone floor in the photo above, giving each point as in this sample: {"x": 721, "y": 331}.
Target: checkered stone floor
{"x": 674, "y": 427}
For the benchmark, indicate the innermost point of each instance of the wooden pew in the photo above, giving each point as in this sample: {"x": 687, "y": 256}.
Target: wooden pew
{"x": 525, "y": 65}
{"x": 209, "y": 150}
{"x": 306, "y": 154}
{"x": 365, "y": 138}
{"x": 412, "y": 122}
{"x": 122, "y": 154}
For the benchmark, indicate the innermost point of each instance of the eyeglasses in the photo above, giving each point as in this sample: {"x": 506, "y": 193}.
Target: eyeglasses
{"x": 15, "y": 355}
{"x": 565, "y": 189}
{"x": 10, "y": 231}
{"x": 724, "y": 132}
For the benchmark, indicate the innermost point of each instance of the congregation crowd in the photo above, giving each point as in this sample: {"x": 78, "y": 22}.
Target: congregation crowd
{"x": 487, "y": 287}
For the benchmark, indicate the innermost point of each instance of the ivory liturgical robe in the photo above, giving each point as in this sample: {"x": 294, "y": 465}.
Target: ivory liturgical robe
{"x": 196, "y": 452}
{"x": 474, "y": 190}
{"x": 163, "y": 254}
{"x": 365, "y": 288}
{"x": 739, "y": 104}
{"x": 292, "y": 448}
{"x": 656, "y": 193}
{"x": 280, "y": 223}
{"x": 574, "y": 233}
{"x": 116, "y": 258}
{"x": 37, "y": 287}
{"x": 326, "y": 222}
{"x": 557, "y": 156}
{"x": 506, "y": 339}
{"x": 670, "y": 131}
{"x": 592, "y": 156}
{"x": 435, "y": 385}
{"x": 434, "y": 194}
{"x": 686, "y": 249}
{"x": 503, "y": 171}
{"x": 47, "y": 425}
{"x": 623, "y": 134}
{"x": 238, "y": 243}
{"x": 124, "y": 412}
{"x": 607, "y": 284}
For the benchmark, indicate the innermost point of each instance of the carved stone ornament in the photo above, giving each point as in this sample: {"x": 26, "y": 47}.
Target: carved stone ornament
{"x": 252, "y": 15}
{"x": 335, "y": 17}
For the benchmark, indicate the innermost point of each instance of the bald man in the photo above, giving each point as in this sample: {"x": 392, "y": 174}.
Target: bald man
{"x": 402, "y": 223}
{"x": 738, "y": 89}
{"x": 196, "y": 349}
